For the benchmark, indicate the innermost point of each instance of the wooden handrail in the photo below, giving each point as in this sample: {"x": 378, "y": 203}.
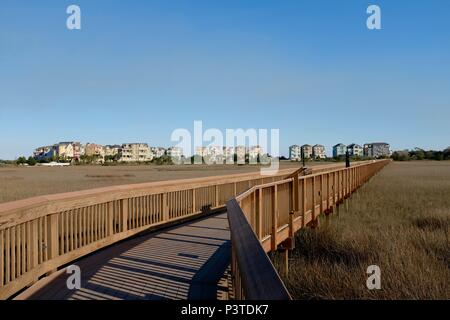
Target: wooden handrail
{"x": 268, "y": 215}
{"x": 258, "y": 279}
{"x": 40, "y": 234}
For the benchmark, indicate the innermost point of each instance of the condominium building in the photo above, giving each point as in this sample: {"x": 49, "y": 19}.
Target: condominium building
{"x": 158, "y": 152}
{"x": 135, "y": 152}
{"x": 228, "y": 153}
{"x": 377, "y": 150}
{"x": 77, "y": 151}
{"x": 355, "y": 150}
{"x": 295, "y": 153}
{"x": 95, "y": 150}
{"x": 112, "y": 150}
{"x": 45, "y": 153}
{"x": 339, "y": 150}
{"x": 307, "y": 151}
{"x": 240, "y": 152}
{"x": 254, "y": 152}
{"x": 65, "y": 150}
{"x": 175, "y": 153}
{"x": 318, "y": 151}
{"x": 211, "y": 154}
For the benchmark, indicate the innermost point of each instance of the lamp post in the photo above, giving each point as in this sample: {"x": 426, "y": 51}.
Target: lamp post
{"x": 347, "y": 159}
{"x": 303, "y": 156}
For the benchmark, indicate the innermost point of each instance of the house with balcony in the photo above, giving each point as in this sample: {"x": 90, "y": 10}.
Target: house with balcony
{"x": 377, "y": 150}
{"x": 65, "y": 150}
{"x": 318, "y": 151}
{"x": 112, "y": 150}
{"x": 307, "y": 151}
{"x": 295, "y": 153}
{"x": 355, "y": 150}
{"x": 157, "y": 152}
{"x": 95, "y": 151}
{"x": 45, "y": 153}
{"x": 339, "y": 150}
{"x": 135, "y": 152}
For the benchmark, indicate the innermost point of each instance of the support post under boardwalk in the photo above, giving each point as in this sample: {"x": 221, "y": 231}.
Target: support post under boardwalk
{"x": 286, "y": 262}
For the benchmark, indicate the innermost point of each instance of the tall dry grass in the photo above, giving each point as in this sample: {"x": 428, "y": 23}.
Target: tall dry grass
{"x": 399, "y": 220}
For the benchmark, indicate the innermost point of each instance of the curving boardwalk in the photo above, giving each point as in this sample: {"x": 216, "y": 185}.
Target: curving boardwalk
{"x": 182, "y": 262}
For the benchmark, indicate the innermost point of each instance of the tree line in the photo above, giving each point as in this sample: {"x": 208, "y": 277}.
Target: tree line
{"x": 420, "y": 154}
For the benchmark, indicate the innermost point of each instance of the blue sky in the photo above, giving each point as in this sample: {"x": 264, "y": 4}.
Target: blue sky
{"x": 140, "y": 69}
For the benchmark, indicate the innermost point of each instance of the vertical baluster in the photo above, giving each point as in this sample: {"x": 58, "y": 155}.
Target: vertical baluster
{"x": 304, "y": 202}
{"x": 29, "y": 246}
{"x": 313, "y": 188}
{"x": 77, "y": 228}
{"x": 2, "y": 258}
{"x": 18, "y": 265}
{"x": 13, "y": 252}
{"x": 274, "y": 217}
{"x": 23, "y": 249}
{"x": 124, "y": 222}
{"x": 7, "y": 256}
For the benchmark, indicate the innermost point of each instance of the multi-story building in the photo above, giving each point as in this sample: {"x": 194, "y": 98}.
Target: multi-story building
{"x": 135, "y": 152}
{"x": 318, "y": 151}
{"x": 77, "y": 151}
{"x": 377, "y": 150}
{"x": 157, "y": 152}
{"x": 200, "y": 151}
{"x": 339, "y": 150}
{"x": 211, "y": 154}
{"x": 112, "y": 150}
{"x": 307, "y": 151}
{"x": 46, "y": 153}
{"x": 65, "y": 150}
{"x": 240, "y": 153}
{"x": 253, "y": 153}
{"x": 355, "y": 150}
{"x": 175, "y": 153}
{"x": 228, "y": 153}
{"x": 295, "y": 153}
{"x": 95, "y": 150}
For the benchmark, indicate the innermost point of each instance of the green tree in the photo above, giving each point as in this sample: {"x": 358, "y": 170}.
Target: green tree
{"x": 21, "y": 160}
{"x": 401, "y": 155}
{"x": 31, "y": 161}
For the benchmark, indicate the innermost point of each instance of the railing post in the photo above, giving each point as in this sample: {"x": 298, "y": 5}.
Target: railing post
{"x": 217, "y": 195}
{"x": 260, "y": 215}
{"x": 165, "y": 207}
{"x": 291, "y": 230}
{"x": 124, "y": 215}
{"x": 194, "y": 208}
{"x": 295, "y": 191}
{"x": 274, "y": 217}
{"x": 313, "y": 210}
{"x": 2, "y": 263}
{"x": 53, "y": 238}
{"x": 34, "y": 244}
{"x": 110, "y": 217}
{"x": 304, "y": 202}
{"x": 321, "y": 194}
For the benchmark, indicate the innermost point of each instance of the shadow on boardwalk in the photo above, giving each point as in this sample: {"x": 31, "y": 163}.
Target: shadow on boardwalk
{"x": 183, "y": 262}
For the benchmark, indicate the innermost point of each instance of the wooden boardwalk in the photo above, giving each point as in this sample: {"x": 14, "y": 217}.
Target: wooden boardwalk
{"x": 183, "y": 262}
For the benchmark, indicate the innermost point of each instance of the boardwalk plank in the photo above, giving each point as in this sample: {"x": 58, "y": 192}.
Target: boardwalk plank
{"x": 182, "y": 262}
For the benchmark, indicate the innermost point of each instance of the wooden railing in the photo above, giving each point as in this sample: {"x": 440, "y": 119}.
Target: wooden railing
{"x": 274, "y": 211}
{"x": 39, "y": 235}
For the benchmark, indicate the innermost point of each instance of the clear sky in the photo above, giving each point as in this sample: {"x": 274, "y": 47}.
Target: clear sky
{"x": 137, "y": 70}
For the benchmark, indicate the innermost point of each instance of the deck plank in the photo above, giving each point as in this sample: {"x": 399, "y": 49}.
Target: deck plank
{"x": 183, "y": 262}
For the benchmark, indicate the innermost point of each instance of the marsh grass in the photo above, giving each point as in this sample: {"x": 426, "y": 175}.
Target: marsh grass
{"x": 400, "y": 221}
